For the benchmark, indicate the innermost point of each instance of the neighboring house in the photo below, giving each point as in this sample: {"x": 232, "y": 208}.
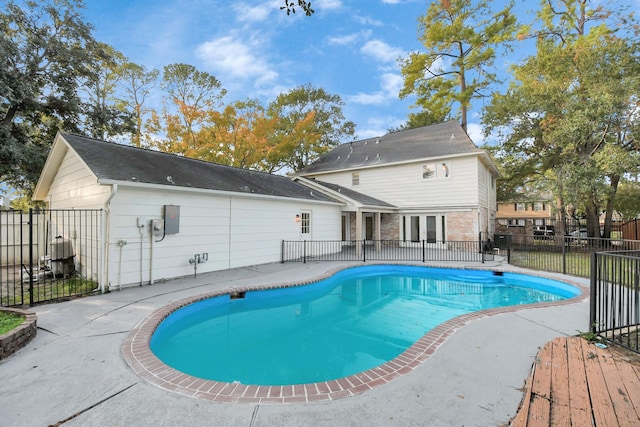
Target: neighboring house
{"x": 516, "y": 213}
{"x": 236, "y": 217}
{"x": 429, "y": 183}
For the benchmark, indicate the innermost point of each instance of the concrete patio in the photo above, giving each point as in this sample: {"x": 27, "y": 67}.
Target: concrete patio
{"x": 73, "y": 372}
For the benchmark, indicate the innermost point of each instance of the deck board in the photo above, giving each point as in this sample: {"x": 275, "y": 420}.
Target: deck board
{"x": 575, "y": 383}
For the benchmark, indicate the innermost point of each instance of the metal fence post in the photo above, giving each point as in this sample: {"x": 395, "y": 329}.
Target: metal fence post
{"x": 282, "y": 252}
{"x": 304, "y": 251}
{"x": 364, "y": 251}
{"x": 594, "y": 293}
{"x": 424, "y": 249}
{"x": 30, "y": 255}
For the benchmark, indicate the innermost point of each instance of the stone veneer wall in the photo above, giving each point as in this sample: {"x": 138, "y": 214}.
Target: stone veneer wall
{"x": 17, "y": 338}
{"x": 389, "y": 226}
{"x": 461, "y": 226}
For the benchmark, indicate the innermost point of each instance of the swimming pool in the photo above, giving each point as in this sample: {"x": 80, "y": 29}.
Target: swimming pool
{"x": 353, "y": 321}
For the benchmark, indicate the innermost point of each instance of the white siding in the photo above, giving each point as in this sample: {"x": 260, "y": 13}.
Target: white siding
{"x": 404, "y": 186}
{"x": 233, "y": 231}
{"x": 75, "y": 187}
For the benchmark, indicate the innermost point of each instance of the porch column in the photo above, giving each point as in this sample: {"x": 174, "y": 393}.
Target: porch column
{"x": 378, "y": 234}
{"x": 358, "y": 232}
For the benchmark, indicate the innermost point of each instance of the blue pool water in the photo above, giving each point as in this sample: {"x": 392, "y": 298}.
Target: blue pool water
{"x": 352, "y": 321}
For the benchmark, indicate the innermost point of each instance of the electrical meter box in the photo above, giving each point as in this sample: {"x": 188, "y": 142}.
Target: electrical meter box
{"x": 171, "y": 219}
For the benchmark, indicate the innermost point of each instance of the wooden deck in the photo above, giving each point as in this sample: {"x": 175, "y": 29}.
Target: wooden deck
{"x": 575, "y": 383}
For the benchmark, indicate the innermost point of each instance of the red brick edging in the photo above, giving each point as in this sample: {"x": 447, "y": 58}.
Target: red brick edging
{"x": 144, "y": 363}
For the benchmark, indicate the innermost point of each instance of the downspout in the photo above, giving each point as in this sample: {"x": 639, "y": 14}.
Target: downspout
{"x": 106, "y": 232}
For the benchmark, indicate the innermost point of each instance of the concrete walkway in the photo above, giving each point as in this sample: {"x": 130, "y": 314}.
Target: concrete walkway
{"x": 73, "y": 372}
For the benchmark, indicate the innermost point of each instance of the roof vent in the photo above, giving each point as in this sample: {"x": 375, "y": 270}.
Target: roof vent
{"x": 366, "y": 158}
{"x": 170, "y": 179}
{"x": 453, "y": 135}
{"x": 377, "y": 156}
{"x": 377, "y": 140}
{"x": 365, "y": 143}
{"x": 338, "y": 157}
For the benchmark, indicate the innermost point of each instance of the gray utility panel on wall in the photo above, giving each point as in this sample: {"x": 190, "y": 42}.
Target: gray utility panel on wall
{"x": 171, "y": 219}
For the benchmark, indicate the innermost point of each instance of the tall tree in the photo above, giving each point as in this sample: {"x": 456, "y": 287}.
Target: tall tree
{"x": 137, "y": 83}
{"x": 190, "y": 94}
{"x": 570, "y": 113}
{"x": 104, "y": 115}
{"x": 311, "y": 122}
{"x": 460, "y": 39}
{"x": 44, "y": 48}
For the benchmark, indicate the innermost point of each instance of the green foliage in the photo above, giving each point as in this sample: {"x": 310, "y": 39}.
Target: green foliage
{"x": 460, "y": 39}
{"x": 290, "y": 7}
{"x": 49, "y": 60}
{"x": 310, "y": 123}
{"x": 627, "y": 201}
{"x": 566, "y": 122}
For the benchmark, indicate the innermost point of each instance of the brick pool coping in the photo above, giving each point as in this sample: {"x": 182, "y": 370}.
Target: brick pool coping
{"x": 138, "y": 355}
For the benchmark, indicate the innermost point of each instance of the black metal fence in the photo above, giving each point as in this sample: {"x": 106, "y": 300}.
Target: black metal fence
{"x": 383, "y": 250}
{"x": 615, "y": 297}
{"x": 561, "y": 254}
{"x": 48, "y": 255}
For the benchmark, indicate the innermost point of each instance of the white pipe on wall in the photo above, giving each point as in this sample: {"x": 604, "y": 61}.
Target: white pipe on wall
{"x": 106, "y": 233}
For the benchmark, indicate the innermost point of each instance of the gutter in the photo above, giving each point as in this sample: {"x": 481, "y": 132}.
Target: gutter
{"x": 106, "y": 233}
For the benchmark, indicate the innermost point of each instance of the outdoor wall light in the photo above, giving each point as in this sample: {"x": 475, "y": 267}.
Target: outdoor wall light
{"x": 297, "y": 217}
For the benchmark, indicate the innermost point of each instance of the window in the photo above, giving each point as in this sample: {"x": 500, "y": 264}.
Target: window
{"x": 428, "y": 172}
{"x": 355, "y": 178}
{"x": 305, "y": 223}
{"x": 539, "y": 206}
{"x": 520, "y": 207}
{"x": 444, "y": 170}
{"x": 436, "y": 171}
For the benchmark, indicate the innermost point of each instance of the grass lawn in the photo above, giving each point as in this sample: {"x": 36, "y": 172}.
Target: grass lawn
{"x": 9, "y": 321}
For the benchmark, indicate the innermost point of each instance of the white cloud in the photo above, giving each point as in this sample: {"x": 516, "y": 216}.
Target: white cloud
{"x": 349, "y": 39}
{"x": 474, "y": 130}
{"x": 249, "y": 13}
{"x": 326, "y": 5}
{"x": 236, "y": 59}
{"x": 381, "y": 51}
{"x": 390, "y": 85}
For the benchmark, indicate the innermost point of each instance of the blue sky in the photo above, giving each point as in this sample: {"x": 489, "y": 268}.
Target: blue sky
{"x": 348, "y": 47}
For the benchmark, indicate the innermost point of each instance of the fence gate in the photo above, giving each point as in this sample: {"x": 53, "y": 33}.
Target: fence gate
{"x": 48, "y": 255}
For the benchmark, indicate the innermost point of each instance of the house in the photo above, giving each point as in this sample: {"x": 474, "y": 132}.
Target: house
{"x": 429, "y": 183}
{"x": 539, "y": 213}
{"x": 167, "y": 216}
{"x": 162, "y": 211}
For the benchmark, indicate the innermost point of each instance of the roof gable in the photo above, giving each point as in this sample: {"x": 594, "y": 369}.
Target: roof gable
{"x": 112, "y": 162}
{"x": 439, "y": 140}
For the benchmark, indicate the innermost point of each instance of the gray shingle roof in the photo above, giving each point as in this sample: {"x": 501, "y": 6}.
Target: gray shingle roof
{"x": 439, "y": 140}
{"x": 116, "y": 162}
{"x": 354, "y": 195}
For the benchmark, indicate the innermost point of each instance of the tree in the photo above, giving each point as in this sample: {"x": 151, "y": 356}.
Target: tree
{"x": 290, "y": 7}
{"x": 104, "y": 116}
{"x": 628, "y": 200}
{"x": 239, "y": 136}
{"x": 310, "y": 123}
{"x": 460, "y": 39}
{"x": 44, "y": 49}
{"x": 568, "y": 118}
{"x": 191, "y": 93}
{"x": 136, "y": 82}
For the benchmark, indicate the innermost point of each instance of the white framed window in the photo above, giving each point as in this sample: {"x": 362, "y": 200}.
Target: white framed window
{"x": 355, "y": 178}
{"x": 520, "y": 207}
{"x": 305, "y": 223}
{"x": 539, "y": 206}
{"x": 439, "y": 170}
{"x": 428, "y": 172}
{"x": 444, "y": 170}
